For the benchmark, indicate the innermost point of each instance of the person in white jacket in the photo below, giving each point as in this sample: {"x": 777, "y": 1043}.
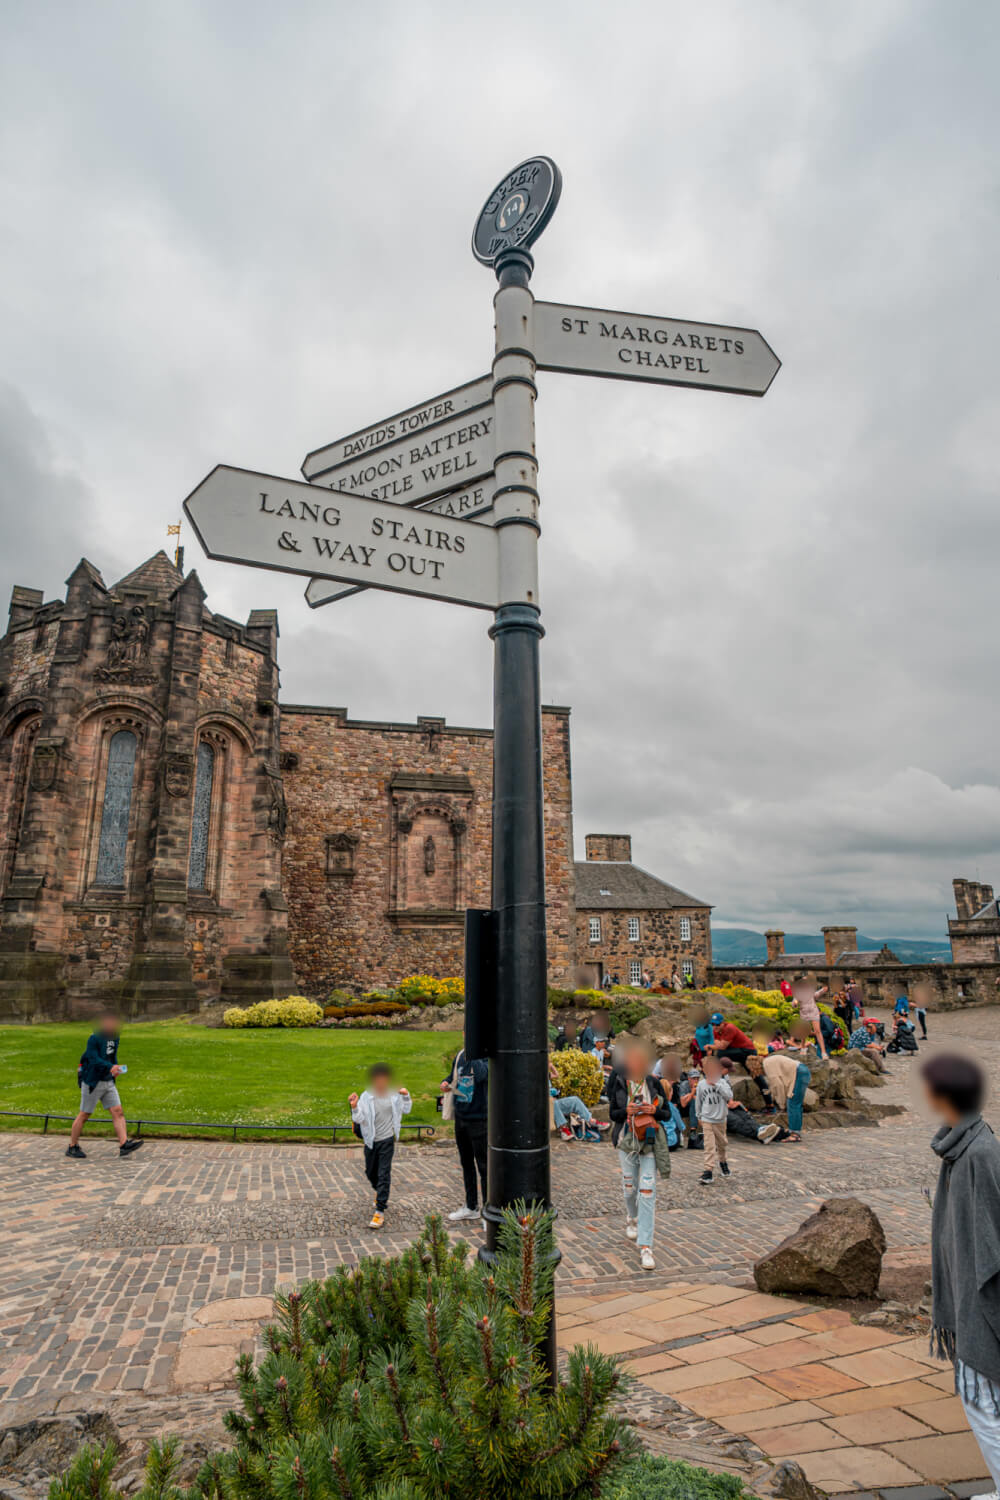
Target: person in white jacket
{"x": 377, "y": 1115}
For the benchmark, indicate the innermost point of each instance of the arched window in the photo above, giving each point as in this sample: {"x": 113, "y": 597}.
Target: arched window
{"x": 23, "y": 748}
{"x": 201, "y": 817}
{"x": 113, "y": 844}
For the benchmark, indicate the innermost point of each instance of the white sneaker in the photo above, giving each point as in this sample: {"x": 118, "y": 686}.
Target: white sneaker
{"x": 646, "y": 1260}
{"x": 631, "y": 1230}
{"x": 463, "y": 1213}
{"x": 768, "y": 1132}
{"x": 991, "y": 1496}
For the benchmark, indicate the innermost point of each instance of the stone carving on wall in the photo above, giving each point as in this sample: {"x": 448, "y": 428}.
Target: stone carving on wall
{"x": 44, "y": 766}
{"x": 178, "y": 770}
{"x": 341, "y": 849}
{"x": 430, "y": 855}
{"x": 127, "y": 657}
{"x": 277, "y": 812}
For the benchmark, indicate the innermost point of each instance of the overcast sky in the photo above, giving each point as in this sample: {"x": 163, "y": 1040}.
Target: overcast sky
{"x": 233, "y": 232}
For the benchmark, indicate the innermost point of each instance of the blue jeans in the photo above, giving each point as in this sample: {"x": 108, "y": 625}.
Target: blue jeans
{"x": 639, "y": 1184}
{"x": 795, "y": 1098}
{"x": 570, "y": 1105}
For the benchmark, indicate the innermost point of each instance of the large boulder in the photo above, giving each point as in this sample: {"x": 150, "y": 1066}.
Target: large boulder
{"x": 837, "y": 1252}
{"x": 746, "y": 1092}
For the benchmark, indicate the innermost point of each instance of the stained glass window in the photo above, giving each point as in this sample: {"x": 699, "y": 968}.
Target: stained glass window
{"x": 112, "y": 848}
{"x": 204, "y": 771}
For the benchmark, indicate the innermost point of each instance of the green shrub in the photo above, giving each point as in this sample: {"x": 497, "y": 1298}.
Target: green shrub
{"x": 295, "y": 1010}
{"x": 424, "y": 989}
{"x": 649, "y": 1478}
{"x": 560, "y": 999}
{"x": 578, "y": 1073}
{"x": 625, "y": 1014}
{"x": 409, "y": 1379}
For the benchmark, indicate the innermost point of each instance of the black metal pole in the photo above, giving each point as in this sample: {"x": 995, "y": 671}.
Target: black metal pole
{"x": 519, "y": 1161}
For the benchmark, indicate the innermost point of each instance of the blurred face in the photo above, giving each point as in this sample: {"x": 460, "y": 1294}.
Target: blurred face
{"x": 109, "y": 1025}
{"x": 671, "y": 1068}
{"x": 712, "y": 1068}
{"x": 636, "y": 1062}
{"x": 940, "y": 1106}
{"x": 381, "y": 1083}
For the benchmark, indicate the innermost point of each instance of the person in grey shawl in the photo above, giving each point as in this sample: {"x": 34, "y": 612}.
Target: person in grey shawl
{"x": 965, "y": 1247}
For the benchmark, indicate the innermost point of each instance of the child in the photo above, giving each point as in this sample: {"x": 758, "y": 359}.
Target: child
{"x": 704, "y": 1036}
{"x": 377, "y": 1114}
{"x": 713, "y": 1098}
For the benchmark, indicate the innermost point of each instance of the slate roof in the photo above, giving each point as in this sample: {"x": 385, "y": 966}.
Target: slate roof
{"x": 628, "y": 888}
{"x": 157, "y": 575}
{"x": 869, "y": 959}
{"x": 989, "y": 913}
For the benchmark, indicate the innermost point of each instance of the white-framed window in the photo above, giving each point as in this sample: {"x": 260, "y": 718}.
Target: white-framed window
{"x": 687, "y": 968}
{"x": 633, "y": 929}
{"x": 595, "y": 929}
{"x": 635, "y": 972}
{"x": 685, "y": 929}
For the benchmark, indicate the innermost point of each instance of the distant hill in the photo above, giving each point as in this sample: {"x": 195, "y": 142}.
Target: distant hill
{"x": 741, "y": 945}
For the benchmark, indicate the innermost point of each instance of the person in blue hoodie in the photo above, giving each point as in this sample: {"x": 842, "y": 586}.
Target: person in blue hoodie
{"x": 98, "y": 1070}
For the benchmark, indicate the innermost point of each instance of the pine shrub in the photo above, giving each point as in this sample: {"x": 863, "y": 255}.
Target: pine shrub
{"x": 410, "y": 1379}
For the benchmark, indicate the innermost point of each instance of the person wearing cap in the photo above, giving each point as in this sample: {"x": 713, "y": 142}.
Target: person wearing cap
{"x": 864, "y": 1039}
{"x": 729, "y": 1041}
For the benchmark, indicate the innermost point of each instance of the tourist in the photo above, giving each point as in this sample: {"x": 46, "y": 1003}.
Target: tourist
{"x": 920, "y": 1008}
{"x": 787, "y": 1077}
{"x": 567, "y": 1037}
{"x": 682, "y": 1095}
{"x": 704, "y": 1036}
{"x": 965, "y": 1246}
{"x": 597, "y": 1033}
{"x": 606, "y": 983}
{"x": 638, "y": 1104}
{"x": 833, "y": 1038}
{"x": 377, "y": 1114}
{"x": 864, "y": 1039}
{"x": 713, "y": 1097}
{"x": 786, "y": 990}
{"x": 729, "y": 1041}
{"x": 647, "y": 979}
{"x": 843, "y": 1009}
{"x": 854, "y": 997}
{"x": 469, "y": 1083}
{"x": 566, "y": 1105}
{"x": 739, "y": 1121}
{"x": 901, "y": 1008}
{"x": 97, "y": 1073}
{"x": 676, "y": 982}
{"x": 807, "y": 996}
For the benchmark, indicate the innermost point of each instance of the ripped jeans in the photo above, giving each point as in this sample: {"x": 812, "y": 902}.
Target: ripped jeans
{"x": 639, "y": 1185}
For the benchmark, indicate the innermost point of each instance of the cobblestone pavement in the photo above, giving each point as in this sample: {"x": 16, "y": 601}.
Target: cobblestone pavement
{"x": 140, "y": 1278}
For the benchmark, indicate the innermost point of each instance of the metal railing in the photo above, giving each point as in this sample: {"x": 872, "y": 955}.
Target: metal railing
{"x": 219, "y": 1126}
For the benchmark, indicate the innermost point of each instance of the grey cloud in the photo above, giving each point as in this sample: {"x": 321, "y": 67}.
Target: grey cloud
{"x": 230, "y": 238}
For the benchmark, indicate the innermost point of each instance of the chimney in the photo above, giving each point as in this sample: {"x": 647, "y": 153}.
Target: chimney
{"x": 838, "y": 940}
{"x": 610, "y": 847}
{"x": 775, "y": 941}
{"x": 963, "y": 898}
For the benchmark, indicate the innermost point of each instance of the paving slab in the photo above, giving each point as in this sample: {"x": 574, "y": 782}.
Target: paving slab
{"x": 944, "y": 1457}
{"x": 866, "y": 1398}
{"x": 796, "y": 1437}
{"x": 874, "y": 1428}
{"x": 945, "y": 1415}
{"x": 810, "y": 1382}
{"x": 877, "y": 1367}
{"x": 853, "y": 1468}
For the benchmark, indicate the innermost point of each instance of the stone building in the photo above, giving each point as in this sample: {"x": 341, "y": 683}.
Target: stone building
{"x": 972, "y": 977}
{"x": 170, "y": 833}
{"x": 629, "y": 922}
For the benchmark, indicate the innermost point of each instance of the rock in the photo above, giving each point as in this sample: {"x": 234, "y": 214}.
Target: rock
{"x": 236, "y": 1310}
{"x": 8, "y": 1449}
{"x": 837, "y": 1252}
{"x": 787, "y": 1481}
{"x": 877, "y": 1319}
{"x": 747, "y": 1092}
{"x": 810, "y": 1101}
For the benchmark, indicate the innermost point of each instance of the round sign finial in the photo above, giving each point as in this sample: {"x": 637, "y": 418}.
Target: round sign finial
{"x": 517, "y": 210}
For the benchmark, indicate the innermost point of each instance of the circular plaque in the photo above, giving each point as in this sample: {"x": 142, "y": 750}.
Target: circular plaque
{"x": 517, "y": 210}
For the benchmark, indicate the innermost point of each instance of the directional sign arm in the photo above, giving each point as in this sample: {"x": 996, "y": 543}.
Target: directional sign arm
{"x": 666, "y": 351}
{"x": 268, "y": 522}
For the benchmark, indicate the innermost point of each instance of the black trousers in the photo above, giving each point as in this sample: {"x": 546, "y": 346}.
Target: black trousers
{"x": 378, "y": 1170}
{"x": 470, "y": 1138}
{"x": 737, "y": 1054}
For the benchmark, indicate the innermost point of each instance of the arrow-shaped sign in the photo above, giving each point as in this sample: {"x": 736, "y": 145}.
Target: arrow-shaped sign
{"x": 668, "y": 351}
{"x": 269, "y": 522}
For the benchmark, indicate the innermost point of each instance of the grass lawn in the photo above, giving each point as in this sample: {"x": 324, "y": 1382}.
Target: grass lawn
{"x": 178, "y": 1071}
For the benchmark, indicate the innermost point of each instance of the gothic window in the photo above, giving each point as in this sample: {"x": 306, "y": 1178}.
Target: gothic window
{"x": 113, "y": 843}
{"x": 201, "y": 817}
{"x": 24, "y": 744}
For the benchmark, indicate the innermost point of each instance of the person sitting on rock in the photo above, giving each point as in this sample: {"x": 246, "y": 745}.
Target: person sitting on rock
{"x": 682, "y": 1095}
{"x": 567, "y": 1037}
{"x": 865, "y": 1039}
{"x": 729, "y": 1041}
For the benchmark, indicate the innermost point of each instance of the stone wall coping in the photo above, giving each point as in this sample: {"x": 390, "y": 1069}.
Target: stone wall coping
{"x": 440, "y": 726}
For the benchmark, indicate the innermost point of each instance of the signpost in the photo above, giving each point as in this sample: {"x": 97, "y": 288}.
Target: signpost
{"x": 390, "y": 507}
